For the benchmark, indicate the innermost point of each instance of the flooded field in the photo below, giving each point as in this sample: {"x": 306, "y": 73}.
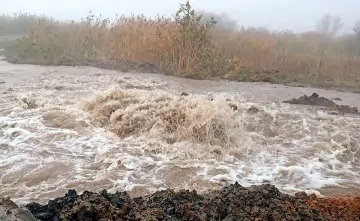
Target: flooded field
{"x": 85, "y": 128}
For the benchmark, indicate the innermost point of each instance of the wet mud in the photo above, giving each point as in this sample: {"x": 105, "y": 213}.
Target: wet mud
{"x": 315, "y": 100}
{"x": 263, "y": 202}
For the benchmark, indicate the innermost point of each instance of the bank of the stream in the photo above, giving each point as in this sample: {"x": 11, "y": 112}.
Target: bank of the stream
{"x": 263, "y": 202}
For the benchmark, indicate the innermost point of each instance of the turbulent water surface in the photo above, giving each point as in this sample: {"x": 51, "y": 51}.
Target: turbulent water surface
{"x": 85, "y": 128}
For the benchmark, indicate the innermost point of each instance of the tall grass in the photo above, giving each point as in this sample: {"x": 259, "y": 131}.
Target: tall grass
{"x": 185, "y": 46}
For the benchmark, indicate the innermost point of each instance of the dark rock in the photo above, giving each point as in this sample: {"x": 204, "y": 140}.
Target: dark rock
{"x": 184, "y": 94}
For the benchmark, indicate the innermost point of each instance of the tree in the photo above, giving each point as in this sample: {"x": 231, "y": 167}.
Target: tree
{"x": 223, "y": 21}
{"x": 329, "y": 25}
{"x": 356, "y": 28}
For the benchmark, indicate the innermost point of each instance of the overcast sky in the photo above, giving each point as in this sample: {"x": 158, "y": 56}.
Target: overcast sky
{"x": 276, "y": 14}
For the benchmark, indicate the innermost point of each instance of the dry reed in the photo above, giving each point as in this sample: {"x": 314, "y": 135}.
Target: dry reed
{"x": 186, "y": 47}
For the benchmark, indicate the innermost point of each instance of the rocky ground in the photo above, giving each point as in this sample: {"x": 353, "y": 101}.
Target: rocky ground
{"x": 263, "y": 202}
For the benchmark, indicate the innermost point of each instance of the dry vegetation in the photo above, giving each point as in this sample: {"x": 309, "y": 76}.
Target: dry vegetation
{"x": 188, "y": 47}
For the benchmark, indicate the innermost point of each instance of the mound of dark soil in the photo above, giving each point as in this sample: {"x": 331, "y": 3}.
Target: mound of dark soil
{"x": 235, "y": 202}
{"x": 264, "y": 202}
{"x": 316, "y": 100}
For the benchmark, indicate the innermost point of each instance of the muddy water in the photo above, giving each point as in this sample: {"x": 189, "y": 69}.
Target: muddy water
{"x": 90, "y": 129}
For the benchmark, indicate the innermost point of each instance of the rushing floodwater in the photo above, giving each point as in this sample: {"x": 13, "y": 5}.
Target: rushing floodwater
{"x": 89, "y": 129}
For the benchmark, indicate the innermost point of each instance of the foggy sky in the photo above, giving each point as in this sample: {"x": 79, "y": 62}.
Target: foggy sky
{"x": 295, "y": 15}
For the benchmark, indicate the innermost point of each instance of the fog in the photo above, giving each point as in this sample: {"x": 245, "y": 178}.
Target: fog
{"x": 274, "y": 14}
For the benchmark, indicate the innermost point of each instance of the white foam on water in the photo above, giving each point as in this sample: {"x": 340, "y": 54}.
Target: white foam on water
{"x": 95, "y": 131}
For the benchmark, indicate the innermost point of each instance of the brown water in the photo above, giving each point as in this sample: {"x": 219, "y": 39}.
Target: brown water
{"x": 89, "y": 129}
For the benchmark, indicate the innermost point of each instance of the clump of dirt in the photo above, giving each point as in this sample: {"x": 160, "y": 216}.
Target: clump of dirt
{"x": 316, "y": 100}
{"x": 264, "y": 202}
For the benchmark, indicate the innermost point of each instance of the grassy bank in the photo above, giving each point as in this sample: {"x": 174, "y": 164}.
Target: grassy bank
{"x": 186, "y": 46}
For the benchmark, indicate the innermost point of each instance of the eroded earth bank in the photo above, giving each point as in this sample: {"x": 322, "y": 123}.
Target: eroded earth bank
{"x": 66, "y": 130}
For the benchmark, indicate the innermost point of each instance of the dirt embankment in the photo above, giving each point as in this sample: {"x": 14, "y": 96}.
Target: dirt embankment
{"x": 263, "y": 202}
{"x": 122, "y": 66}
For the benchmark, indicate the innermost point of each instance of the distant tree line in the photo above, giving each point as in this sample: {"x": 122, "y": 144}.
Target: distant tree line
{"x": 223, "y": 21}
{"x": 326, "y": 30}
{"x": 18, "y": 24}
